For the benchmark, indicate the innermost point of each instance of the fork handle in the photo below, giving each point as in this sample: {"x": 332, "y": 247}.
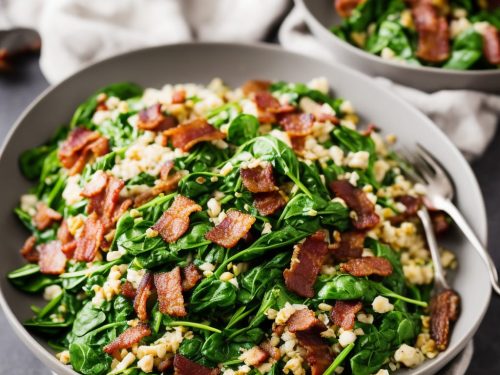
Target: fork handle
{"x": 466, "y": 229}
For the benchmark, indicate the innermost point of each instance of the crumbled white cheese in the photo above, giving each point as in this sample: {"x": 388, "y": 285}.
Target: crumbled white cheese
{"x": 28, "y": 203}
{"x": 382, "y": 305}
{"x": 320, "y": 84}
{"x": 267, "y": 228}
{"x": 214, "y": 207}
{"x": 146, "y": 363}
{"x": 358, "y": 159}
{"x": 124, "y": 363}
{"x": 337, "y": 155}
{"x": 135, "y": 276}
{"x": 409, "y": 356}
{"x": 458, "y": 26}
{"x": 52, "y": 291}
{"x": 347, "y": 337}
{"x": 365, "y": 318}
{"x": 72, "y": 192}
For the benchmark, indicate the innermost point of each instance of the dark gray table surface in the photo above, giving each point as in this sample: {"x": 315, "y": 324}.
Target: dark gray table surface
{"x": 18, "y": 89}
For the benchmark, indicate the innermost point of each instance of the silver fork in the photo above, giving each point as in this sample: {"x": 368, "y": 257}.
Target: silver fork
{"x": 440, "y": 192}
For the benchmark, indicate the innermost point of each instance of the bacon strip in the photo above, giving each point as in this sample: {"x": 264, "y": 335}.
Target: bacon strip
{"x": 184, "y": 366}
{"x": 190, "y": 277}
{"x": 175, "y": 221}
{"x": 254, "y": 86}
{"x": 169, "y": 288}
{"x": 412, "y": 205}
{"x": 297, "y": 124}
{"x": 153, "y": 119}
{"x": 367, "y": 266}
{"x": 129, "y": 338}
{"x": 445, "y": 308}
{"x": 268, "y": 203}
{"x": 491, "y": 45}
{"x": 52, "y": 259}
{"x": 266, "y": 101}
{"x": 306, "y": 263}
{"x": 142, "y": 294}
{"x": 179, "y": 96}
{"x": 308, "y": 328}
{"x": 29, "y": 251}
{"x": 96, "y": 184}
{"x": 186, "y": 135}
{"x": 128, "y": 290}
{"x": 350, "y": 246}
{"x": 232, "y": 229}
{"x": 45, "y": 216}
{"x": 259, "y": 179}
{"x": 168, "y": 182}
{"x": 356, "y": 200}
{"x": 344, "y": 313}
{"x": 255, "y": 356}
{"x": 345, "y": 7}
{"x": 90, "y": 239}
{"x": 433, "y": 33}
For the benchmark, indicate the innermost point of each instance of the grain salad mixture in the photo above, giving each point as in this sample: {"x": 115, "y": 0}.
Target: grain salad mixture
{"x": 451, "y": 34}
{"x": 204, "y": 230}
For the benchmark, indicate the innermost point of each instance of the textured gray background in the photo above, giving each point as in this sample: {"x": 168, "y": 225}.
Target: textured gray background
{"x": 19, "y": 88}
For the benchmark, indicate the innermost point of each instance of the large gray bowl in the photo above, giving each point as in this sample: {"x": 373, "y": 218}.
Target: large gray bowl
{"x": 154, "y": 67}
{"x": 320, "y": 16}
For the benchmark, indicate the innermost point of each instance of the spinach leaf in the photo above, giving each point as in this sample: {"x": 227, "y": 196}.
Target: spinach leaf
{"x": 142, "y": 179}
{"x": 87, "y": 319}
{"x": 89, "y": 360}
{"x": 212, "y": 293}
{"x": 218, "y": 350}
{"x": 242, "y": 129}
{"x": 28, "y": 278}
{"x": 347, "y": 287}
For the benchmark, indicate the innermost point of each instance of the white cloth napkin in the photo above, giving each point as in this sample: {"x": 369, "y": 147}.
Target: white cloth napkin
{"x": 469, "y": 118}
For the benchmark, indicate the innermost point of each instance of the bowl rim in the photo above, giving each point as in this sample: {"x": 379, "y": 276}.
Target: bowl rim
{"x": 50, "y": 360}
{"x": 302, "y": 4}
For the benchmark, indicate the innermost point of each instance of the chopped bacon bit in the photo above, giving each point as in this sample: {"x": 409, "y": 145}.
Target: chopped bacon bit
{"x": 96, "y": 184}
{"x": 491, "y": 45}
{"x": 307, "y": 329}
{"x": 268, "y": 203}
{"x": 52, "y": 259}
{"x": 166, "y": 364}
{"x": 107, "y": 203}
{"x": 67, "y": 240}
{"x": 131, "y": 336}
{"x": 433, "y": 33}
{"x": 367, "y": 266}
{"x": 153, "y": 119}
{"x": 297, "y": 124}
{"x": 186, "y": 135}
{"x": 45, "y": 216}
{"x": 175, "y": 221}
{"x": 350, "y": 246}
{"x": 90, "y": 239}
{"x": 255, "y": 356}
{"x": 445, "y": 308}
{"x": 184, "y": 366}
{"x": 166, "y": 169}
{"x": 440, "y": 222}
{"x": 179, "y": 96}
{"x": 169, "y": 288}
{"x": 323, "y": 117}
{"x": 266, "y": 101}
{"x": 142, "y": 294}
{"x": 190, "y": 277}
{"x": 307, "y": 260}
{"x": 412, "y": 205}
{"x": 128, "y": 290}
{"x": 259, "y": 179}
{"x": 344, "y": 313}
{"x": 345, "y": 7}
{"x": 356, "y": 200}
{"x": 69, "y": 249}
{"x": 29, "y": 251}
{"x": 254, "y": 86}
{"x": 272, "y": 351}
{"x": 298, "y": 144}
{"x": 79, "y": 147}
{"x": 371, "y": 128}
{"x": 232, "y": 229}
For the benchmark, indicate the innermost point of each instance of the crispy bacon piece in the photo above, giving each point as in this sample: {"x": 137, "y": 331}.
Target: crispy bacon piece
{"x": 255, "y": 356}
{"x": 412, "y": 205}
{"x": 29, "y": 251}
{"x": 445, "y": 308}
{"x": 266, "y": 101}
{"x": 153, "y": 119}
{"x": 268, "y": 203}
{"x": 166, "y": 364}
{"x": 440, "y": 222}
{"x": 166, "y": 169}
{"x": 175, "y": 221}
{"x": 184, "y": 366}
{"x": 179, "y": 96}
{"x": 297, "y": 124}
{"x": 272, "y": 351}
{"x": 345, "y": 7}
{"x": 168, "y": 182}
{"x": 79, "y": 147}
{"x": 232, "y": 229}
{"x": 190, "y": 133}
{"x": 367, "y": 266}
{"x": 90, "y": 239}
{"x": 491, "y": 45}
{"x": 356, "y": 200}
{"x": 344, "y": 313}
{"x": 190, "y": 277}
{"x": 254, "y": 86}
{"x": 298, "y": 144}
{"x": 433, "y": 33}
{"x": 52, "y": 259}
{"x": 350, "y": 246}
{"x": 308, "y": 328}
{"x": 131, "y": 336}
{"x": 307, "y": 260}
{"x": 67, "y": 240}
{"x": 45, "y": 216}
{"x": 128, "y": 290}
{"x": 169, "y": 288}
{"x": 96, "y": 184}
{"x": 259, "y": 179}
{"x": 142, "y": 295}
